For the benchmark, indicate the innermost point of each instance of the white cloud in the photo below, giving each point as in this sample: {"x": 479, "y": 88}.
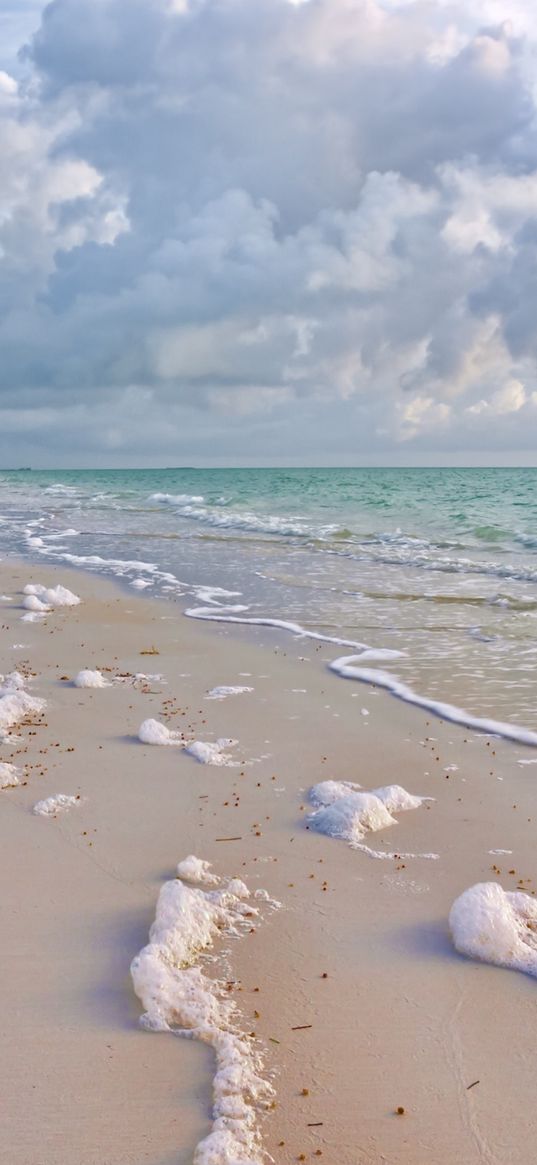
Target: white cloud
{"x": 217, "y": 211}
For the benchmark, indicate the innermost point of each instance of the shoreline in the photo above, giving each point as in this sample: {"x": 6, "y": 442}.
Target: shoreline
{"x": 344, "y": 666}
{"x": 399, "y": 1010}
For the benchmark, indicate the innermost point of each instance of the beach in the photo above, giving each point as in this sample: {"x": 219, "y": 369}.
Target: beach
{"x": 359, "y": 1003}
{"x": 268, "y": 582}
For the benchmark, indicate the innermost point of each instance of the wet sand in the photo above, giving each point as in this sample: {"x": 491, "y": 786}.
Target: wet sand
{"x": 360, "y": 950}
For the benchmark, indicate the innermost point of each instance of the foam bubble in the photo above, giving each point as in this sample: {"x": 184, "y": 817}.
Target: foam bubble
{"x": 345, "y": 811}
{"x": 153, "y": 732}
{"x": 212, "y": 753}
{"x": 59, "y": 803}
{"x": 90, "y": 679}
{"x": 496, "y": 926}
{"x": 178, "y": 997}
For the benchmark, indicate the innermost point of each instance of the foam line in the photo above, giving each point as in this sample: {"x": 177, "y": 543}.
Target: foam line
{"x": 223, "y": 615}
{"x": 154, "y": 732}
{"x": 345, "y": 668}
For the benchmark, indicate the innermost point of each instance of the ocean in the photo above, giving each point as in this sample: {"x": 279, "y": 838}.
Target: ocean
{"x": 433, "y": 570}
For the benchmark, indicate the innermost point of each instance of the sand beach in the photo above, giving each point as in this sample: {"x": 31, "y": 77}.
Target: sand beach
{"x": 350, "y": 991}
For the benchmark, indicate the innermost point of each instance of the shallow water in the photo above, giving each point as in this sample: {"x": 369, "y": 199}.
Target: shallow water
{"x": 439, "y": 564}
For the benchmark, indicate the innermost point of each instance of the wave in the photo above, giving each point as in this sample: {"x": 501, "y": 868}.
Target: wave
{"x": 60, "y": 489}
{"x": 176, "y": 499}
{"x": 444, "y": 565}
{"x": 234, "y": 615}
{"x": 247, "y": 521}
{"x": 346, "y": 668}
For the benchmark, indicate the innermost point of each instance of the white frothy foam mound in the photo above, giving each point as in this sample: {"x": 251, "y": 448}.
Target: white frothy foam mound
{"x": 33, "y": 603}
{"x": 9, "y": 775}
{"x": 212, "y": 753}
{"x": 153, "y": 732}
{"x": 221, "y": 693}
{"x": 345, "y": 811}
{"x": 60, "y": 803}
{"x": 49, "y": 596}
{"x": 496, "y": 926}
{"x": 90, "y": 679}
{"x": 178, "y": 997}
{"x": 15, "y": 702}
{"x": 193, "y": 869}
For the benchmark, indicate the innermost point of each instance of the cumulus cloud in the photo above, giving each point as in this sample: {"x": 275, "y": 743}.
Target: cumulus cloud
{"x": 242, "y": 230}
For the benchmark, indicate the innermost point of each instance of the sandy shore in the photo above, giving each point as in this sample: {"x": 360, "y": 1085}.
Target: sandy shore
{"x": 360, "y": 950}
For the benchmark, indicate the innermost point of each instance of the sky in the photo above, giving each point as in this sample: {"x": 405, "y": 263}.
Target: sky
{"x": 268, "y": 232}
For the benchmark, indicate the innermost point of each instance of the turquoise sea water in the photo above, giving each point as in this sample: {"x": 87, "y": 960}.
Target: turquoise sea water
{"x": 439, "y": 564}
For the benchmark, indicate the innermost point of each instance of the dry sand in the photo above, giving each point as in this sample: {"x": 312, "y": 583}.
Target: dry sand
{"x": 400, "y": 1019}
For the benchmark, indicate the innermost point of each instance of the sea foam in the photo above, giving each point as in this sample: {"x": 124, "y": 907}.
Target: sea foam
{"x": 59, "y": 803}
{"x": 224, "y": 690}
{"x": 178, "y": 997}
{"x": 90, "y": 679}
{"x": 58, "y": 596}
{"x": 347, "y": 669}
{"x": 153, "y": 732}
{"x": 208, "y": 753}
{"x": 15, "y": 702}
{"x": 496, "y": 926}
{"x": 346, "y": 811}
{"x": 234, "y": 615}
{"x": 9, "y": 775}
{"x": 193, "y": 869}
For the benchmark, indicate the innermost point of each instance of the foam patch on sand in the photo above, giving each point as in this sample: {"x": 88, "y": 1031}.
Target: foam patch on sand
{"x": 35, "y": 609}
{"x": 208, "y": 753}
{"x": 496, "y": 926}
{"x": 179, "y": 998}
{"x": 90, "y": 679}
{"x": 193, "y": 869}
{"x": 346, "y": 811}
{"x": 15, "y": 702}
{"x": 58, "y": 596}
{"x": 153, "y": 732}
{"x": 59, "y": 803}
{"x": 223, "y": 691}
{"x": 346, "y": 667}
{"x": 9, "y": 775}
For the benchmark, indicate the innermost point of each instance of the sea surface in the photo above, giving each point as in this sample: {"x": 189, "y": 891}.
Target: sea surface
{"x": 439, "y": 565}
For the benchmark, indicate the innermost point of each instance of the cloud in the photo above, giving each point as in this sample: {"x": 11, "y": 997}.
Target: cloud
{"x": 224, "y": 225}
